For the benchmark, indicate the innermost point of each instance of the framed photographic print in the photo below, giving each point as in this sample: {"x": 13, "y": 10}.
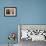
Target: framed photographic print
{"x": 10, "y": 11}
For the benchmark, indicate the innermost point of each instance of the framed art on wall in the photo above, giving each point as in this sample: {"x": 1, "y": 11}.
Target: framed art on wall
{"x": 10, "y": 11}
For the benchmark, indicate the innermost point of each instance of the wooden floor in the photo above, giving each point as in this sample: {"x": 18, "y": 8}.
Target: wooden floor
{"x": 30, "y": 43}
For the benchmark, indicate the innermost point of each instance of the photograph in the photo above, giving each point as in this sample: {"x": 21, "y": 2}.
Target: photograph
{"x": 10, "y": 11}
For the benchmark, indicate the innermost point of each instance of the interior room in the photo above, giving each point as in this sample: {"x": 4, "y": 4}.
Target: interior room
{"x": 22, "y": 12}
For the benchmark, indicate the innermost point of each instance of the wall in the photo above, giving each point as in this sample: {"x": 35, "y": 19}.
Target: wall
{"x": 28, "y": 12}
{"x": 8, "y": 24}
{"x": 33, "y": 12}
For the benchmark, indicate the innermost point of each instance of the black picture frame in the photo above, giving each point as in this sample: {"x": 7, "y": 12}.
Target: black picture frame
{"x": 10, "y": 11}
